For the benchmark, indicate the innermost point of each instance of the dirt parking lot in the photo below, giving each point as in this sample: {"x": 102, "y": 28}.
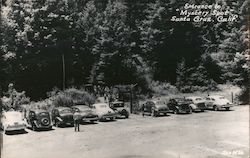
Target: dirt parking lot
{"x": 222, "y": 134}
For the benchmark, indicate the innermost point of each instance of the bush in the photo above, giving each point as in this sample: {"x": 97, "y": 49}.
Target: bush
{"x": 19, "y": 98}
{"x": 70, "y": 97}
{"x": 162, "y": 88}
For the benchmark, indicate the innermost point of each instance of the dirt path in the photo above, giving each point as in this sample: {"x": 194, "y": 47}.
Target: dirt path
{"x": 223, "y": 134}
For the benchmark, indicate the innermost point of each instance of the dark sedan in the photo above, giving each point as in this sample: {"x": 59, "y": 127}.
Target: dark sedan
{"x": 155, "y": 108}
{"x": 179, "y": 105}
{"x": 62, "y": 116}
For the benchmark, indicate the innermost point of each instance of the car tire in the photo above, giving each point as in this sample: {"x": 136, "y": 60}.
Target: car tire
{"x": 215, "y": 108}
{"x": 202, "y": 110}
{"x": 57, "y": 124}
{"x": 176, "y": 112}
{"x": 153, "y": 114}
{"x": 227, "y": 108}
{"x": 34, "y": 127}
{"x": 126, "y": 115}
{"x": 191, "y": 110}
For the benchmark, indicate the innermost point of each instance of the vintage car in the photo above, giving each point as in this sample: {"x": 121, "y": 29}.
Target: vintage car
{"x": 86, "y": 113}
{"x": 38, "y": 119}
{"x": 179, "y": 105}
{"x": 217, "y": 102}
{"x": 197, "y": 103}
{"x": 62, "y": 116}
{"x": 12, "y": 121}
{"x": 104, "y": 111}
{"x": 155, "y": 108}
{"x": 119, "y": 107}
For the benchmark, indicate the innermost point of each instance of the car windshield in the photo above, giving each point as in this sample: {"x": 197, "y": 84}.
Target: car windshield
{"x": 13, "y": 117}
{"x": 66, "y": 111}
{"x": 221, "y": 97}
{"x": 82, "y": 108}
{"x": 118, "y": 104}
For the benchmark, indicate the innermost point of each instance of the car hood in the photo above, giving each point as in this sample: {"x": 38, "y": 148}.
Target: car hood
{"x": 102, "y": 111}
{"x": 222, "y": 102}
{"x": 88, "y": 112}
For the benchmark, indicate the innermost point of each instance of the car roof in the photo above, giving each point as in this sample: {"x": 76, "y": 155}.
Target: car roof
{"x": 38, "y": 110}
{"x": 193, "y": 97}
{"x": 62, "y": 108}
{"x": 9, "y": 113}
{"x": 98, "y": 104}
{"x": 80, "y": 106}
{"x": 117, "y": 102}
{"x": 215, "y": 96}
{"x": 156, "y": 100}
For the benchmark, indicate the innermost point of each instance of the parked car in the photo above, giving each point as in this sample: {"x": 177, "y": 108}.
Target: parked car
{"x": 87, "y": 114}
{"x": 62, "y": 116}
{"x": 119, "y": 107}
{"x": 12, "y": 121}
{"x": 179, "y": 105}
{"x": 155, "y": 108}
{"x": 38, "y": 119}
{"x": 197, "y": 103}
{"x": 104, "y": 111}
{"x": 217, "y": 102}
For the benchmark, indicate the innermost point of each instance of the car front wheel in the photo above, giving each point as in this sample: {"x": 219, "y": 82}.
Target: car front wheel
{"x": 154, "y": 113}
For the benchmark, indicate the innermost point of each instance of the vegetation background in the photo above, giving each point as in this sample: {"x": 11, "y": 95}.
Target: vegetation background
{"x": 121, "y": 42}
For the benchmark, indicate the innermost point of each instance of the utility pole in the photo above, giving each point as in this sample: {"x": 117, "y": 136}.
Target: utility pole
{"x": 63, "y": 69}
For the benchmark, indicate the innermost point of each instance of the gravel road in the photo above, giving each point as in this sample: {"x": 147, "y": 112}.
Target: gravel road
{"x": 211, "y": 134}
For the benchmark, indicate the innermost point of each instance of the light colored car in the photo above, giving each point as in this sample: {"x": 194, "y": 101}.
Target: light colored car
{"x": 86, "y": 113}
{"x": 217, "y": 102}
{"x": 104, "y": 111}
{"x": 13, "y": 121}
{"x": 197, "y": 103}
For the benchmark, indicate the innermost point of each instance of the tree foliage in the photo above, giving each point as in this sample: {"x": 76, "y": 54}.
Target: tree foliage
{"x": 119, "y": 42}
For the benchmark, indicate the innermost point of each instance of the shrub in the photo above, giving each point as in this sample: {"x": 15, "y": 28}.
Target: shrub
{"x": 162, "y": 88}
{"x": 70, "y": 97}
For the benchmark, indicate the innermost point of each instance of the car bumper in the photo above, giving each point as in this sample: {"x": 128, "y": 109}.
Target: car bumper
{"x": 162, "y": 111}
{"x": 15, "y": 128}
{"x": 90, "y": 119}
{"x": 226, "y": 106}
{"x": 109, "y": 116}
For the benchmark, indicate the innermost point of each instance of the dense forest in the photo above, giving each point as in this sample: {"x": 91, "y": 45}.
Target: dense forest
{"x": 120, "y": 42}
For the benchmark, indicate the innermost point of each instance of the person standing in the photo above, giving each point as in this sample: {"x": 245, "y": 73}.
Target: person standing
{"x": 77, "y": 120}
